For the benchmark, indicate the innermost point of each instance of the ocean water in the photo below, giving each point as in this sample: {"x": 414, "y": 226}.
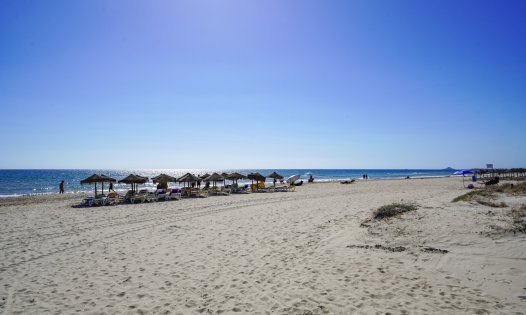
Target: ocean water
{"x": 24, "y": 182}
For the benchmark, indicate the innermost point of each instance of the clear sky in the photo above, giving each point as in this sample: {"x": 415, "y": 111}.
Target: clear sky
{"x": 262, "y": 84}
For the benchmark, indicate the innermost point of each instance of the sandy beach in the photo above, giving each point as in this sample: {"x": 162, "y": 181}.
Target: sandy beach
{"x": 302, "y": 252}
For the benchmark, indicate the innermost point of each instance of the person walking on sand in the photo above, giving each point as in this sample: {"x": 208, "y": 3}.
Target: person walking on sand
{"x": 111, "y": 187}
{"x": 61, "y": 187}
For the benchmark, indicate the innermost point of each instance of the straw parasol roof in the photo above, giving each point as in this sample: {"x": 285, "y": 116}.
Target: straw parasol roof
{"x": 163, "y": 178}
{"x": 214, "y": 178}
{"x": 204, "y": 176}
{"x": 256, "y": 176}
{"x": 94, "y": 179}
{"x": 133, "y": 180}
{"x": 188, "y": 178}
{"x": 235, "y": 176}
{"x": 275, "y": 175}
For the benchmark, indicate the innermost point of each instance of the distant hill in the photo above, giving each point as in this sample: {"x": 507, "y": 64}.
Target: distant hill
{"x": 449, "y": 169}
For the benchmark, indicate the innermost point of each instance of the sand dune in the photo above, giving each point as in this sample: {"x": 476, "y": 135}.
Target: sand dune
{"x": 301, "y": 252}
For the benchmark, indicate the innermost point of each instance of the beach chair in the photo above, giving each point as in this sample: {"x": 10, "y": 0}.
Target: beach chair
{"x": 281, "y": 188}
{"x": 113, "y": 198}
{"x": 174, "y": 194}
{"x": 195, "y": 192}
{"x": 242, "y": 190}
{"x": 141, "y": 196}
{"x": 225, "y": 191}
{"x": 99, "y": 201}
{"x": 186, "y": 192}
{"x": 213, "y": 191}
{"x": 263, "y": 189}
{"x": 129, "y": 195}
{"x": 150, "y": 197}
{"x": 88, "y": 201}
{"x": 160, "y": 194}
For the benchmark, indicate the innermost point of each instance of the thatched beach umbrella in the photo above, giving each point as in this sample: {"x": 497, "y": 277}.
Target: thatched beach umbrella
{"x": 188, "y": 178}
{"x": 133, "y": 180}
{"x": 163, "y": 180}
{"x": 204, "y": 176}
{"x": 256, "y": 177}
{"x": 234, "y": 177}
{"x": 275, "y": 176}
{"x": 94, "y": 179}
{"x": 214, "y": 178}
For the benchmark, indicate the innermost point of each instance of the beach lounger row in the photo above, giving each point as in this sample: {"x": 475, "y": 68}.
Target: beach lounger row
{"x": 144, "y": 195}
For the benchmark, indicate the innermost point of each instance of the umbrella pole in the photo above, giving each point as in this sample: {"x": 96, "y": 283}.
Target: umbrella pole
{"x": 95, "y": 190}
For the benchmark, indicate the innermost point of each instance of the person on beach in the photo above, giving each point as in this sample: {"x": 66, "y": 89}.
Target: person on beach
{"x": 111, "y": 187}
{"x": 61, "y": 187}
{"x": 311, "y": 179}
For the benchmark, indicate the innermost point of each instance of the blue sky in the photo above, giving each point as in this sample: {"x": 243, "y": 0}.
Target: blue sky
{"x": 262, "y": 84}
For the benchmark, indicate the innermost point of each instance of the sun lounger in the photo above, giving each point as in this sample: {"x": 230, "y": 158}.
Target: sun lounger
{"x": 99, "y": 201}
{"x": 113, "y": 198}
{"x": 281, "y": 188}
{"x": 160, "y": 194}
{"x": 88, "y": 201}
{"x": 141, "y": 196}
{"x": 150, "y": 197}
{"x": 195, "y": 192}
{"x": 241, "y": 190}
{"x": 174, "y": 194}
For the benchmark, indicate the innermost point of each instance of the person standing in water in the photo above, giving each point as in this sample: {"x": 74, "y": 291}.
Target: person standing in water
{"x": 61, "y": 187}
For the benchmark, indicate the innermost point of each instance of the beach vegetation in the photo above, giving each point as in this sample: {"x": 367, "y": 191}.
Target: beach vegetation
{"x": 511, "y": 189}
{"x": 475, "y": 195}
{"x": 490, "y": 203}
{"x": 392, "y": 210}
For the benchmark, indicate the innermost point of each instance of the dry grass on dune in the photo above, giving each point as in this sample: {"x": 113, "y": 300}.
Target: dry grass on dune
{"x": 392, "y": 210}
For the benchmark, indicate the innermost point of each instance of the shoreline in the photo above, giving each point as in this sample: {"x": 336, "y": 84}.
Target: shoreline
{"x": 317, "y": 181}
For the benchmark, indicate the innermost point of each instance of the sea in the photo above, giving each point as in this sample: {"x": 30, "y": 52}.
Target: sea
{"x": 46, "y": 181}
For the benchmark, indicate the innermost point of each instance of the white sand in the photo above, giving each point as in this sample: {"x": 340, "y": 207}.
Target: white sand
{"x": 272, "y": 253}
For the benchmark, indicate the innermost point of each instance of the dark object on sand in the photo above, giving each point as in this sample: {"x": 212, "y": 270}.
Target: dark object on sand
{"x": 311, "y": 179}
{"x": 470, "y": 186}
{"x": 348, "y": 181}
{"x": 298, "y": 183}
{"x": 493, "y": 181}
